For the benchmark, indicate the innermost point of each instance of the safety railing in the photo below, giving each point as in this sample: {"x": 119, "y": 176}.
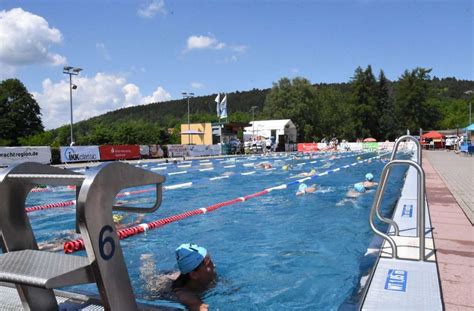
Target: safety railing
{"x": 375, "y": 210}
{"x": 383, "y": 179}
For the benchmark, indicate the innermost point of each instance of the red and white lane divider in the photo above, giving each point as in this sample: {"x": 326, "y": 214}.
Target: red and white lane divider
{"x": 51, "y": 205}
{"x": 77, "y": 245}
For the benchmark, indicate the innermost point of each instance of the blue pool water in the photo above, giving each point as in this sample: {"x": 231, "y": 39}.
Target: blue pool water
{"x": 277, "y": 251}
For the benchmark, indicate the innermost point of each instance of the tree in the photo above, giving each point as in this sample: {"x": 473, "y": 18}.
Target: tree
{"x": 295, "y": 100}
{"x": 388, "y": 122}
{"x": 20, "y": 114}
{"x": 364, "y": 103}
{"x": 413, "y": 109}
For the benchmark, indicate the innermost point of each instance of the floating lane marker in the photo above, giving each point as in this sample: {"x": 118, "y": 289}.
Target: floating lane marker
{"x": 249, "y": 173}
{"x": 248, "y": 164}
{"x": 158, "y": 168}
{"x": 177, "y": 173}
{"x": 336, "y": 169}
{"x": 183, "y": 166}
{"x": 177, "y": 186}
{"x": 229, "y": 166}
{"x": 281, "y": 187}
{"x": 219, "y": 177}
{"x": 206, "y": 164}
{"x": 206, "y": 169}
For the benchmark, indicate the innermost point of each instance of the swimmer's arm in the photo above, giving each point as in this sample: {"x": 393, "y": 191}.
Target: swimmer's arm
{"x": 190, "y": 299}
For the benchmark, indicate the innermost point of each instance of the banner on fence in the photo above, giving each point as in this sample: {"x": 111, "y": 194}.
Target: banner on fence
{"x": 79, "y": 154}
{"x": 203, "y": 150}
{"x": 177, "y": 150}
{"x": 12, "y": 155}
{"x": 156, "y": 151}
{"x": 307, "y": 147}
{"x": 119, "y": 152}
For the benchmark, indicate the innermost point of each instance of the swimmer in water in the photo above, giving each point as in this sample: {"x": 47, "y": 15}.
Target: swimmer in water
{"x": 264, "y": 165}
{"x": 306, "y": 174}
{"x": 303, "y": 189}
{"x": 369, "y": 181}
{"x": 356, "y": 191}
{"x": 196, "y": 275}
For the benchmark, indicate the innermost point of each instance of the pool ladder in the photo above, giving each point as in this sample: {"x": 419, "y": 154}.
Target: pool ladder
{"x": 36, "y": 273}
{"x": 375, "y": 210}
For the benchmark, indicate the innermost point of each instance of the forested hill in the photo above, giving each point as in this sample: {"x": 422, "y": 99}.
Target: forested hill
{"x": 369, "y": 105}
{"x": 170, "y": 113}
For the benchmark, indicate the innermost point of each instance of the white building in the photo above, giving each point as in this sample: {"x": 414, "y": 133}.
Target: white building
{"x": 282, "y": 131}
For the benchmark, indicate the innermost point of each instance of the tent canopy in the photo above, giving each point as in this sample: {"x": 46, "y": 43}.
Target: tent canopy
{"x": 433, "y": 135}
{"x": 470, "y": 127}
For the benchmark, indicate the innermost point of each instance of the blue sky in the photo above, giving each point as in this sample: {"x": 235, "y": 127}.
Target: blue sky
{"x": 135, "y": 52}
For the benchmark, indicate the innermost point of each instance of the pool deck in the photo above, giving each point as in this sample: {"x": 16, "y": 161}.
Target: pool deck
{"x": 450, "y": 195}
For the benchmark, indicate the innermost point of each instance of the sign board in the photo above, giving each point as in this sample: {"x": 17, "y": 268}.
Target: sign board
{"x": 79, "y": 154}
{"x": 119, "y": 152}
{"x": 308, "y": 147}
{"x": 176, "y": 150}
{"x": 12, "y": 155}
{"x": 156, "y": 151}
{"x": 203, "y": 150}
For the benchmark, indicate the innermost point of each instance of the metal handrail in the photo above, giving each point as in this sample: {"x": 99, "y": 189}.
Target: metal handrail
{"x": 383, "y": 180}
{"x": 420, "y": 206}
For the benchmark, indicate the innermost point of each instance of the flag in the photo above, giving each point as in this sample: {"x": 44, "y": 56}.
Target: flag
{"x": 224, "y": 107}
{"x": 218, "y": 106}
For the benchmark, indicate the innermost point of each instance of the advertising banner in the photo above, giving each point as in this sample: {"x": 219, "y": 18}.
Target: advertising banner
{"x": 119, "y": 152}
{"x": 156, "y": 151}
{"x": 307, "y": 147}
{"x": 79, "y": 154}
{"x": 177, "y": 150}
{"x": 11, "y": 155}
{"x": 203, "y": 150}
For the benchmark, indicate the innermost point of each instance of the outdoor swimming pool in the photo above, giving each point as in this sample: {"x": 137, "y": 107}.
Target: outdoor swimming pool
{"x": 277, "y": 251}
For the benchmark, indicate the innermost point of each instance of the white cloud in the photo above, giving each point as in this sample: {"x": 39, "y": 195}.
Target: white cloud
{"x": 94, "y": 96}
{"x": 152, "y": 7}
{"x": 102, "y": 49}
{"x": 204, "y": 42}
{"x": 26, "y": 39}
{"x": 239, "y": 48}
{"x": 197, "y": 85}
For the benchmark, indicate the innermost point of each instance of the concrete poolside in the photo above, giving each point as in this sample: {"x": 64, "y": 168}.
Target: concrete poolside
{"x": 450, "y": 195}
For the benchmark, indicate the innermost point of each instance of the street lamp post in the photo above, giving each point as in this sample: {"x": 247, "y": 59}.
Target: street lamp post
{"x": 188, "y": 96}
{"x": 71, "y": 71}
{"x": 253, "y": 120}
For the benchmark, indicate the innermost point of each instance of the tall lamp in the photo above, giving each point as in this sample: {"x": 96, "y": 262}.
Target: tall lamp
{"x": 188, "y": 95}
{"x": 71, "y": 71}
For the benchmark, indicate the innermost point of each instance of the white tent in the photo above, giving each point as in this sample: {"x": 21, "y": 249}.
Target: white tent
{"x": 278, "y": 129}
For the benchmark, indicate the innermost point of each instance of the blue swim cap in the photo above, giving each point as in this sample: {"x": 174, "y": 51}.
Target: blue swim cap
{"x": 359, "y": 187}
{"x": 189, "y": 257}
{"x": 369, "y": 176}
{"x": 302, "y": 187}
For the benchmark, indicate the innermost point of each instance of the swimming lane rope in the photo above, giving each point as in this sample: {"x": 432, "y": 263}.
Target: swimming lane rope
{"x": 78, "y": 244}
{"x": 170, "y": 187}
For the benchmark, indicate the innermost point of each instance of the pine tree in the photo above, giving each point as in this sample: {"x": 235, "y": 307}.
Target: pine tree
{"x": 388, "y": 123}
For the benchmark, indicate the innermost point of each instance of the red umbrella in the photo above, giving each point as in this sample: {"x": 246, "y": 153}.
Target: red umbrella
{"x": 370, "y": 139}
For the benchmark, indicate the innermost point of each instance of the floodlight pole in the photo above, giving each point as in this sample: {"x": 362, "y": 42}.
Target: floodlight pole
{"x": 188, "y": 95}
{"x": 69, "y": 70}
